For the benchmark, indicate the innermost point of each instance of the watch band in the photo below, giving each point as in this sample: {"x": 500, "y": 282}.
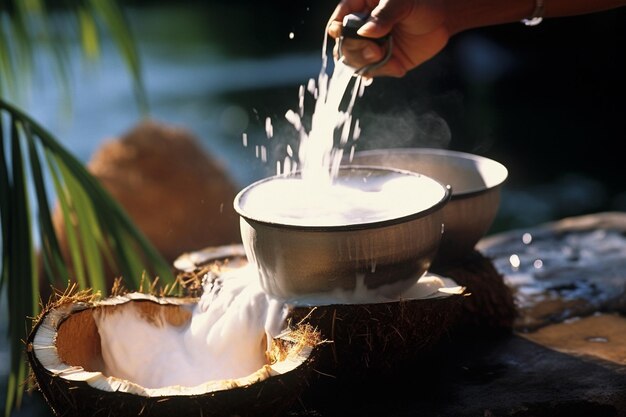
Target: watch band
{"x": 537, "y": 16}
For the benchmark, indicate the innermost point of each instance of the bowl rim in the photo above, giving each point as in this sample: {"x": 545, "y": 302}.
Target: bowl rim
{"x": 456, "y": 195}
{"x": 344, "y": 227}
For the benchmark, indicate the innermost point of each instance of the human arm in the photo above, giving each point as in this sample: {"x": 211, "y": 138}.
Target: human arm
{"x": 422, "y": 28}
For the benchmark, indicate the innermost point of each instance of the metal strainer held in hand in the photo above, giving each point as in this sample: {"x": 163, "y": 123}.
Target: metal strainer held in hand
{"x": 351, "y": 24}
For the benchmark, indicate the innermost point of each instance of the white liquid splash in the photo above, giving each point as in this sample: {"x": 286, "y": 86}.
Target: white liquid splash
{"x": 234, "y": 321}
{"x": 319, "y": 155}
{"x": 230, "y": 329}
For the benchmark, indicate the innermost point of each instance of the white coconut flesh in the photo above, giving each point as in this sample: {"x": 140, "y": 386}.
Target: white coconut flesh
{"x": 95, "y": 344}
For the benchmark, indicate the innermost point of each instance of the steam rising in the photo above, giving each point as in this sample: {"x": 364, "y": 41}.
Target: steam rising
{"x": 404, "y": 128}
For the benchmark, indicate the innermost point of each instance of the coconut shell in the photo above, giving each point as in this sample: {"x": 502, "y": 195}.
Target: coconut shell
{"x": 359, "y": 340}
{"x": 67, "y": 369}
{"x": 490, "y": 305}
{"x": 378, "y": 339}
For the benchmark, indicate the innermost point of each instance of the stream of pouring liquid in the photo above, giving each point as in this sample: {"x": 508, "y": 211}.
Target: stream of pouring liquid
{"x": 319, "y": 156}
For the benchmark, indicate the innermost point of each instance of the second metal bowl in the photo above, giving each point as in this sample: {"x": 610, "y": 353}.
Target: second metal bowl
{"x": 476, "y": 183}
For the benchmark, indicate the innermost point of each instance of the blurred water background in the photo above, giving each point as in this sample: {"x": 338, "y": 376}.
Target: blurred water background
{"x": 548, "y": 102}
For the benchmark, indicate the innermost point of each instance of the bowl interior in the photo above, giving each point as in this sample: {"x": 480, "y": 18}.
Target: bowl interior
{"x": 466, "y": 173}
{"x": 360, "y": 195}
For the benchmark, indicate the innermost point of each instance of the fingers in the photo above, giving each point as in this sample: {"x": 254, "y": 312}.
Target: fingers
{"x": 358, "y": 53}
{"x": 343, "y": 8}
{"x": 393, "y": 68}
{"x": 384, "y": 17}
{"x": 334, "y": 29}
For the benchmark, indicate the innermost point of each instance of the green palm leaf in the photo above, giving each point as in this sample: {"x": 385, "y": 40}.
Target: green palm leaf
{"x": 99, "y": 233}
{"x": 20, "y": 268}
{"x": 50, "y": 249}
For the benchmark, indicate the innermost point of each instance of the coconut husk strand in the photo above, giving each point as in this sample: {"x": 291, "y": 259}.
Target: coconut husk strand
{"x": 64, "y": 352}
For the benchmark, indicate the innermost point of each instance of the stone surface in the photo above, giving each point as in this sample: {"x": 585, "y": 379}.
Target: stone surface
{"x": 563, "y": 270}
{"x": 481, "y": 377}
{"x": 600, "y": 336}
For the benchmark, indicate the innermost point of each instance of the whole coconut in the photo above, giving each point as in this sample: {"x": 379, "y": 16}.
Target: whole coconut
{"x": 176, "y": 193}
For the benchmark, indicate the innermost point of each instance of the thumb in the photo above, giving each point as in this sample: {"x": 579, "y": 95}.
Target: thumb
{"x": 383, "y": 18}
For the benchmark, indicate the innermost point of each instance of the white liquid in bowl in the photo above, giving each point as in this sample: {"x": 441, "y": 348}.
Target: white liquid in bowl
{"x": 360, "y": 197}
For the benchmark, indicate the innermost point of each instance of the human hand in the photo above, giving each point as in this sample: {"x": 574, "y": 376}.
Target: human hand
{"x": 416, "y": 26}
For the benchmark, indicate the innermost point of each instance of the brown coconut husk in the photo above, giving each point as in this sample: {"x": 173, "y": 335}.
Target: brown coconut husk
{"x": 490, "y": 304}
{"x": 66, "y": 368}
{"x": 379, "y": 339}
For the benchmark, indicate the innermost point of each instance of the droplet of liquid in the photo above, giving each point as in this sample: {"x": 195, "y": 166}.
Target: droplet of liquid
{"x": 269, "y": 129}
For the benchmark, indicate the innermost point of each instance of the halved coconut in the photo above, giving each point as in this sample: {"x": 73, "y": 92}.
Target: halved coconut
{"x": 65, "y": 354}
{"x": 380, "y": 338}
{"x": 362, "y": 338}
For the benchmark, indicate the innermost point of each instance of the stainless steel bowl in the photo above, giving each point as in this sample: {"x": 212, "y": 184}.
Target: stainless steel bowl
{"x": 476, "y": 183}
{"x": 310, "y": 256}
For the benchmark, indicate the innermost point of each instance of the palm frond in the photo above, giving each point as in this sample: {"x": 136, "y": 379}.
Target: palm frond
{"x": 100, "y": 230}
{"x": 53, "y": 262}
{"x": 20, "y": 263}
{"x": 35, "y": 169}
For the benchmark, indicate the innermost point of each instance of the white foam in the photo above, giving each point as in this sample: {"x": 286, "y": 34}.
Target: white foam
{"x": 226, "y": 338}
